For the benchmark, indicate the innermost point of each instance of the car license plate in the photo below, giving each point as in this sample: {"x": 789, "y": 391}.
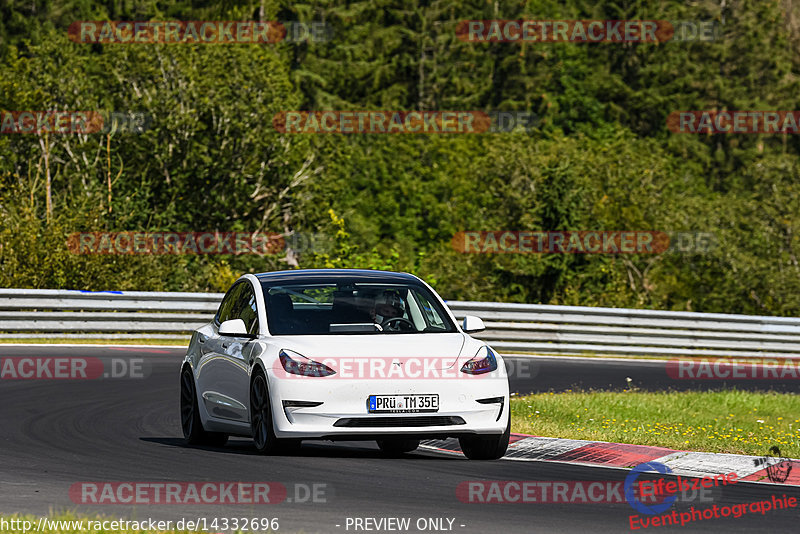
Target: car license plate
{"x": 402, "y": 403}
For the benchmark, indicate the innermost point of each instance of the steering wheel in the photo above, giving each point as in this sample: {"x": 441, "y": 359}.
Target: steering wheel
{"x": 402, "y": 325}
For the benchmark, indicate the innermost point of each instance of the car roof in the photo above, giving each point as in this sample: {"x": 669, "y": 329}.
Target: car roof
{"x": 334, "y": 276}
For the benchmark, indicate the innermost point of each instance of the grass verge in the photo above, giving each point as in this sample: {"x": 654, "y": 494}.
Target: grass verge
{"x": 734, "y": 421}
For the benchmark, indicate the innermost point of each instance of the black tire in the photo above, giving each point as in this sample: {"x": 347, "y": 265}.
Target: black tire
{"x": 192, "y": 426}
{"x": 489, "y": 447}
{"x": 397, "y": 447}
{"x": 261, "y": 420}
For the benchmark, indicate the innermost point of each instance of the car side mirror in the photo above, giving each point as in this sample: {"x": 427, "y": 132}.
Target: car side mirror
{"x": 472, "y": 324}
{"x": 234, "y": 328}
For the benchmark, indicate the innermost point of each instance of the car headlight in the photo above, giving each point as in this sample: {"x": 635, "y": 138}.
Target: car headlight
{"x": 483, "y": 362}
{"x": 297, "y": 364}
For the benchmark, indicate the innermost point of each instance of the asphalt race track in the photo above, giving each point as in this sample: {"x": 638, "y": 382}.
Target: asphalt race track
{"x": 56, "y": 433}
{"x": 542, "y": 374}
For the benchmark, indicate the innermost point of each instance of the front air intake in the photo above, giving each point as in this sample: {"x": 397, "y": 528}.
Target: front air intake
{"x": 396, "y": 422}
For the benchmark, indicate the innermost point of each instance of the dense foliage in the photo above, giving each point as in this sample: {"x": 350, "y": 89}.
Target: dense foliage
{"x": 599, "y": 158}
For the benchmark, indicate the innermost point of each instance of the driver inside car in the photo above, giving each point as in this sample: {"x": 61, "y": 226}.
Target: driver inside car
{"x": 389, "y": 305}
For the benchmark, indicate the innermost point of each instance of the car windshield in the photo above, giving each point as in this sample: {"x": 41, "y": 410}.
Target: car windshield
{"x": 353, "y": 308}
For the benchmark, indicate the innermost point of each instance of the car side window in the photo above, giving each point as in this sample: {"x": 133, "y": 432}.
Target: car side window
{"x": 432, "y": 318}
{"x": 229, "y": 303}
{"x": 246, "y": 308}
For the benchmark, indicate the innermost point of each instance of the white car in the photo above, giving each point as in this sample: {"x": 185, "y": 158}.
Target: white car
{"x": 342, "y": 354}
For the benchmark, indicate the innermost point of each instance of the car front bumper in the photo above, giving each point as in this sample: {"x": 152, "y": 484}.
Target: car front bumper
{"x": 469, "y": 405}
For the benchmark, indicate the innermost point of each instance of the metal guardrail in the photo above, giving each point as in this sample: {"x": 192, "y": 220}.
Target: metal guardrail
{"x": 534, "y": 328}
{"x": 38, "y": 313}
{"x": 578, "y": 329}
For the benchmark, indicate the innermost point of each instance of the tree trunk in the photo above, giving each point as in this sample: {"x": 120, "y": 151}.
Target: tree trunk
{"x": 45, "y": 144}
{"x": 108, "y": 172}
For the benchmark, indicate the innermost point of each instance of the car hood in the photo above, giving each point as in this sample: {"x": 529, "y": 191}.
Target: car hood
{"x": 444, "y": 349}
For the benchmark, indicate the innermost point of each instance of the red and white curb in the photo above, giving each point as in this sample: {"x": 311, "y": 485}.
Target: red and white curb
{"x": 527, "y": 448}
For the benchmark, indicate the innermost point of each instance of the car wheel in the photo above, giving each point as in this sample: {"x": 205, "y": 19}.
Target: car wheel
{"x": 192, "y": 426}
{"x": 396, "y": 447}
{"x": 261, "y": 420}
{"x": 491, "y": 447}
